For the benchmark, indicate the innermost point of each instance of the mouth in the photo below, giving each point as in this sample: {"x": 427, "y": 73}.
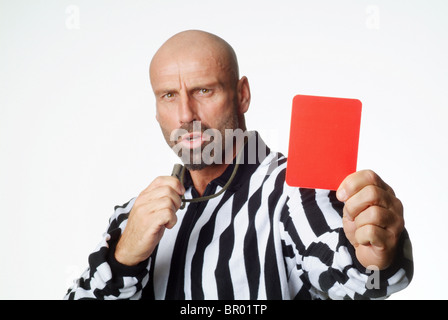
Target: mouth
{"x": 193, "y": 136}
{"x": 192, "y": 140}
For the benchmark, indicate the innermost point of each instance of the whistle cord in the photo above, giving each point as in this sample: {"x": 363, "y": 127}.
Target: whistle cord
{"x": 224, "y": 188}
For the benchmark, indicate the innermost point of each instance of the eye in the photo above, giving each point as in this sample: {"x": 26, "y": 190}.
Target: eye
{"x": 204, "y": 91}
{"x": 168, "y": 95}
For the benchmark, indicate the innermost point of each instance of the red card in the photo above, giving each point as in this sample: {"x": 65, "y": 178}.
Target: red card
{"x": 323, "y": 141}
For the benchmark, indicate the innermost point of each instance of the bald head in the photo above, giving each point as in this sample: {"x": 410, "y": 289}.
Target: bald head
{"x": 195, "y": 43}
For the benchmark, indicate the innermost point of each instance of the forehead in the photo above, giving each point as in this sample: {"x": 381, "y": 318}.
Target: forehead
{"x": 191, "y": 68}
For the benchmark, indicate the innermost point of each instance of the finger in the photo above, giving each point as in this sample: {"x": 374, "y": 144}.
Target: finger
{"x": 167, "y": 218}
{"x": 354, "y": 182}
{"x": 376, "y": 216}
{"x": 167, "y": 181}
{"x": 152, "y": 201}
{"x": 368, "y": 196}
{"x": 176, "y": 201}
{"x": 372, "y": 252}
{"x": 381, "y": 239}
{"x": 162, "y": 192}
{"x": 172, "y": 203}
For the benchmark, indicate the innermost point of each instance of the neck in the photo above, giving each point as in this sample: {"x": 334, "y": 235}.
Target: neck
{"x": 201, "y": 178}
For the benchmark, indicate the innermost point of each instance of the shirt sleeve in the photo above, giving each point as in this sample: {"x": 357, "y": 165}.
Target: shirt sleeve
{"x": 105, "y": 277}
{"x": 321, "y": 262}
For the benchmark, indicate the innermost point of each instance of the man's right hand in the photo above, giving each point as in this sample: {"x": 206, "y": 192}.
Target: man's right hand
{"x": 153, "y": 211}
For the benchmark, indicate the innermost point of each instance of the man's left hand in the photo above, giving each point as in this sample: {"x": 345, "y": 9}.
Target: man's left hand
{"x": 372, "y": 218}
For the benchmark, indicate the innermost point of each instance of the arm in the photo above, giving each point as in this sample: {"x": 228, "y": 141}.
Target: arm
{"x": 120, "y": 264}
{"x": 106, "y": 278}
{"x": 325, "y": 264}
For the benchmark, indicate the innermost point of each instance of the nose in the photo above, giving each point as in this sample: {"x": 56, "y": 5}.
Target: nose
{"x": 187, "y": 109}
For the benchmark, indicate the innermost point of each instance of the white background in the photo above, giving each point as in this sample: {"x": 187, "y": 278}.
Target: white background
{"x": 78, "y": 133}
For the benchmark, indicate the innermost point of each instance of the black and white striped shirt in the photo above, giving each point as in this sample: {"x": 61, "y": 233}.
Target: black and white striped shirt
{"x": 260, "y": 239}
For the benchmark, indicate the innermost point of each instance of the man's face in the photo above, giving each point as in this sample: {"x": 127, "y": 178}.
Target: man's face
{"x": 195, "y": 92}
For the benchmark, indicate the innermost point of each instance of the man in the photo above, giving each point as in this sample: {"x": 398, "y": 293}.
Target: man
{"x": 259, "y": 238}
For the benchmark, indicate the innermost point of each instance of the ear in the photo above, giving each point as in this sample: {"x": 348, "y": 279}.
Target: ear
{"x": 243, "y": 91}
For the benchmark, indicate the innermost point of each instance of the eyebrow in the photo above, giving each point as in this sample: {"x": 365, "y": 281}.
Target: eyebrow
{"x": 199, "y": 85}
{"x": 212, "y": 84}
